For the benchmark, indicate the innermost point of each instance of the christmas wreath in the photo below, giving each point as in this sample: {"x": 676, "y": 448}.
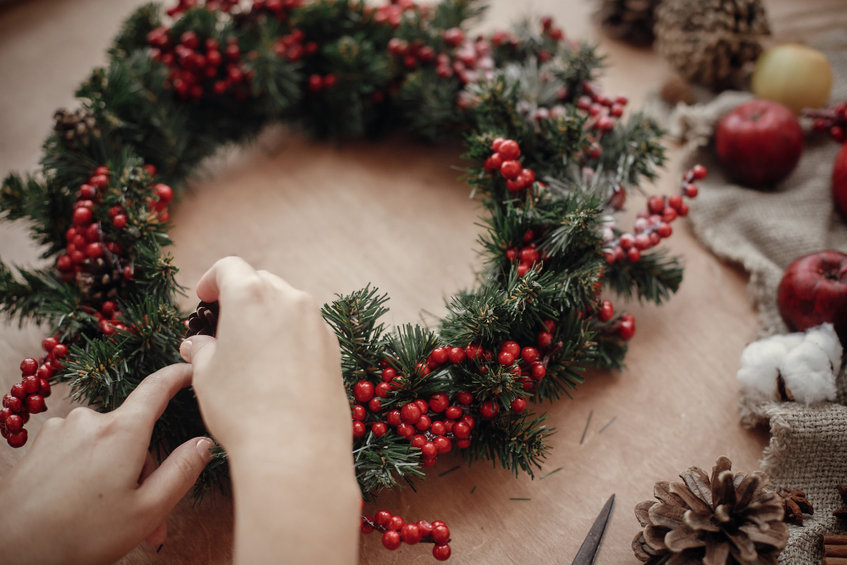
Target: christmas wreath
{"x": 549, "y": 156}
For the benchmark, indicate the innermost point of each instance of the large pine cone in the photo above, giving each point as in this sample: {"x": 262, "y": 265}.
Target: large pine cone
{"x": 725, "y": 519}
{"x": 710, "y": 42}
{"x": 628, "y": 20}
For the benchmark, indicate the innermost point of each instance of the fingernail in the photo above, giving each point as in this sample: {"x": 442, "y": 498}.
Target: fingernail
{"x": 204, "y": 446}
{"x": 185, "y": 350}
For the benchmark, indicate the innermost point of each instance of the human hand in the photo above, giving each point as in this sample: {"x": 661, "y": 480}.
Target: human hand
{"x": 270, "y": 391}
{"x": 89, "y": 484}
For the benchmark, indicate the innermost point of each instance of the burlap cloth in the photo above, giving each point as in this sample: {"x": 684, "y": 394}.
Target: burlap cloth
{"x": 764, "y": 232}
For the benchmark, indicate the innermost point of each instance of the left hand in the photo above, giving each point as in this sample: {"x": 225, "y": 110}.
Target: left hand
{"x": 87, "y": 491}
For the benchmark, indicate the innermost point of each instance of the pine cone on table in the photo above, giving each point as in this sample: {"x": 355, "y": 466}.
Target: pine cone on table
{"x": 710, "y": 42}
{"x": 204, "y": 320}
{"x": 723, "y": 519}
{"x": 628, "y": 20}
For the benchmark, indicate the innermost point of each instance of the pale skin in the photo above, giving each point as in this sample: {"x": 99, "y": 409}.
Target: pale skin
{"x": 288, "y": 441}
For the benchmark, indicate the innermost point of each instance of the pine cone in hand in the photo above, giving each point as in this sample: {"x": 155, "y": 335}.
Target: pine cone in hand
{"x": 725, "y": 519}
{"x": 204, "y": 320}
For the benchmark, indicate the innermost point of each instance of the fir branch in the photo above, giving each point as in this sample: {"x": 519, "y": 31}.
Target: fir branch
{"x": 98, "y": 374}
{"x": 406, "y": 350}
{"x": 133, "y": 33}
{"x": 36, "y": 295}
{"x": 519, "y": 445}
{"x": 457, "y": 13}
{"x": 632, "y": 151}
{"x": 382, "y": 462}
{"x": 653, "y": 278}
{"x": 355, "y": 320}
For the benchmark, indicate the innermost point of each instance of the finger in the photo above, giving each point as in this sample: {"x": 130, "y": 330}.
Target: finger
{"x": 158, "y": 536}
{"x": 148, "y": 468}
{"x": 276, "y": 281}
{"x": 150, "y": 398}
{"x": 201, "y": 352}
{"x": 171, "y": 481}
{"x": 191, "y": 345}
{"x": 223, "y": 274}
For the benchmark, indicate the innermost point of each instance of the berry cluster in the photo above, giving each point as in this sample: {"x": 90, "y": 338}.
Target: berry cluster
{"x": 27, "y": 396}
{"x": 504, "y": 159}
{"x": 279, "y": 9}
{"x": 603, "y": 113}
{"x": 436, "y": 424}
{"x": 411, "y": 54}
{"x": 469, "y": 60}
{"x": 293, "y": 46}
{"x": 624, "y": 326}
{"x": 200, "y": 66}
{"x": 395, "y": 531}
{"x": 832, "y": 120}
{"x": 391, "y": 13}
{"x": 653, "y": 224}
{"x": 528, "y": 255}
{"x": 211, "y": 5}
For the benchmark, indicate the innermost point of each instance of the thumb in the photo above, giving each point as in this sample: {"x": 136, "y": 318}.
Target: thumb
{"x": 168, "y": 484}
{"x": 197, "y": 348}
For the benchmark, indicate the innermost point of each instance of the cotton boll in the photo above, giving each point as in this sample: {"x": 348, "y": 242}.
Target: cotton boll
{"x": 825, "y": 337}
{"x": 808, "y": 369}
{"x": 760, "y": 366}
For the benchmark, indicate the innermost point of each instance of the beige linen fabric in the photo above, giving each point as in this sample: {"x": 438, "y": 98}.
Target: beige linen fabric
{"x": 764, "y": 232}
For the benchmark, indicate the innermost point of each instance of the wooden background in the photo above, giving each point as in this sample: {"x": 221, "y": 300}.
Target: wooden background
{"x": 332, "y": 218}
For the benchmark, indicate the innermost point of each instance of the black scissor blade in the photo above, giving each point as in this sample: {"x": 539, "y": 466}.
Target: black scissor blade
{"x": 588, "y": 550}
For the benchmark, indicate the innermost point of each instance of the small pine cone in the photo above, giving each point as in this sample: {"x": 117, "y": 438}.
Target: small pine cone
{"x": 75, "y": 129}
{"x": 628, "y": 20}
{"x": 795, "y": 504}
{"x": 710, "y": 42}
{"x": 728, "y": 518}
{"x": 204, "y": 320}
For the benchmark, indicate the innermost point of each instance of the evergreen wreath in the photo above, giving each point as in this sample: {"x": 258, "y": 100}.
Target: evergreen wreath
{"x": 550, "y": 160}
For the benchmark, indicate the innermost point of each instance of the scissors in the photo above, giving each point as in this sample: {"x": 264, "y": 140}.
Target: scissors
{"x": 588, "y": 550}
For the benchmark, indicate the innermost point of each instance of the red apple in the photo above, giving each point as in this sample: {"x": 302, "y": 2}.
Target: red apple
{"x": 759, "y": 143}
{"x": 839, "y": 181}
{"x": 813, "y": 290}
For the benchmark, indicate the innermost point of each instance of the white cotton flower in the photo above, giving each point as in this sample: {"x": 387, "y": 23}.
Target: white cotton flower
{"x": 807, "y": 362}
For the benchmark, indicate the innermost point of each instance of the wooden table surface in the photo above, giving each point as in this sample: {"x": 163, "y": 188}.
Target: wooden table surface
{"x": 332, "y": 218}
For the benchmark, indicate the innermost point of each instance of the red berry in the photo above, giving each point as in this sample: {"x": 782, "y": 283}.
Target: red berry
{"x": 488, "y": 409}
{"x": 410, "y": 413}
{"x": 358, "y": 412}
{"x": 411, "y": 534}
{"x": 456, "y": 355}
{"x": 493, "y": 163}
{"x": 441, "y": 552}
{"x": 64, "y": 263}
{"x": 358, "y": 429}
{"x": 35, "y": 404}
{"x": 699, "y": 172}
{"x": 388, "y": 374}
{"x": 382, "y": 517}
{"x": 379, "y": 429}
{"x": 59, "y": 351}
{"x": 442, "y": 444}
{"x": 82, "y": 216}
{"x": 454, "y": 412}
{"x": 99, "y": 181}
{"x": 94, "y": 250}
{"x": 505, "y": 358}
{"x": 440, "y": 533}
{"x": 626, "y": 329}
{"x": 13, "y": 403}
{"x": 428, "y": 450}
{"x": 544, "y": 339}
{"x": 393, "y": 418}
{"x": 518, "y": 405}
{"x": 374, "y": 405}
{"x": 17, "y": 439}
{"x": 395, "y": 523}
{"x": 315, "y": 83}
{"x": 462, "y": 430}
{"x": 438, "y": 428}
{"x": 606, "y": 311}
{"x": 163, "y": 192}
{"x": 18, "y": 391}
{"x": 418, "y": 440}
{"x": 44, "y": 387}
{"x": 14, "y": 423}
{"x": 382, "y": 390}
{"x": 30, "y": 384}
{"x": 664, "y": 230}
{"x": 633, "y": 254}
{"x": 509, "y": 149}
{"x": 29, "y": 366}
{"x": 690, "y": 190}
{"x": 405, "y": 430}
{"x": 391, "y": 539}
{"x": 439, "y": 402}
{"x": 423, "y": 423}
{"x": 473, "y": 351}
{"x": 538, "y": 371}
{"x": 464, "y": 397}
{"x": 529, "y": 354}
{"x": 675, "y": 202}
{"x": 511, "y": 169}
{"x": 363, "y": 391}
{"x": 439, "y": 355}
